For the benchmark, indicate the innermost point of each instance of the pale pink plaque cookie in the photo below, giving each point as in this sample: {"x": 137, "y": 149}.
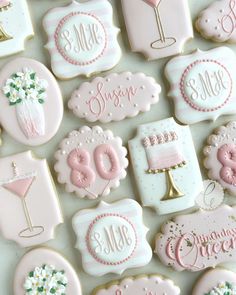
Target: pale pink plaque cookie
{"x": 220, "y": 157}
{"x": 199, "y": 240}
{"x": 216, "y": 281}
{"x": 157, "y": 28}
{"x": 112, "y": 237}
{"x": 82, "y": 39}
{"x": 29, "y": 96}
{"x": 140, "y": 285}
{"x": 90, "y": 162}
{"x": 114, "y": 97}
{"x": 218, "y": 21}
{"x": 203, "y": 85}
{"x": 29, "y": 206}
{"x": 44, "y": 271}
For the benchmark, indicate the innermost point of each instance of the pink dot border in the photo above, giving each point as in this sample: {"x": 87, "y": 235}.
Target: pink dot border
{"x": 88, "y": 239}
{"x": 186, "y": 98}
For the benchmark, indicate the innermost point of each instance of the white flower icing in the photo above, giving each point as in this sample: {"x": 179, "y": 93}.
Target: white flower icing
{"x": 223, "y": 288}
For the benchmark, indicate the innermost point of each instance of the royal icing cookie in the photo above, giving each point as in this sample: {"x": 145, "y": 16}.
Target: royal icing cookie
{"x": 218, "y": 21}
{"x": 112, "y": 237}
{"x": 163, "y": 156}
{"x": 44, "y": 271}
{"x": 140, "y": 285}
{"x": 202, "y": 84}
{"x": 150, "y": 30}
{"x": 200, "y": 240}
{"x": 82, "y": 39}
{"x": 220, "y": 157}
{"x": 90, "y": 162}
{"x": 29, "y": 95}
{"x": 29, "y": 206}
{"x": 114, "y": 97}
{"x": 15, "y": 26}
{"x": 216, "y": 282}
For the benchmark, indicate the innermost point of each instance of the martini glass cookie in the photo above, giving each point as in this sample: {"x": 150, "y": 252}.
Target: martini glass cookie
{"x": 90, "y": 162}
{"x": 29, "y": 206}
{"x": 82, "y": 39}
{"x": 29, "y": 95}
{"x": 112, "y": 237}
{"x": 44, "y": 271}
{"x": 15, "y": 26}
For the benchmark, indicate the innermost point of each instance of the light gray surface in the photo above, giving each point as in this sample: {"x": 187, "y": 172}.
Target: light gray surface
{"x": 10, "y": 253}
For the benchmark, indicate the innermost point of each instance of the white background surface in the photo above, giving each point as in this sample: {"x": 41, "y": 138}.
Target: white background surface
{"x": 10, "y": 253}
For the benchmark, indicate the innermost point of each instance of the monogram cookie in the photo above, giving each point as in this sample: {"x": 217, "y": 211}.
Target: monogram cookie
{"x": 15, "y": 26}
{"x": 220, "y": 157}
{"x": 44, "y": 271}
{"x": 199, "y": 240}
{"x": 112, "y": 237}
{"x": 202, "y": 84}
{"x": 154, "y": 29}
{"x": 114, "y": 97}
{"x": 90, "y": 162}
{"x": 218, "y": 21}
{"x": 163, "y": 156}
{"x": 82, "y": 39}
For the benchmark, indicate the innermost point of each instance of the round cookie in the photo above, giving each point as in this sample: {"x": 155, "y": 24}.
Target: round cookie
{"x": 216, "y": 282}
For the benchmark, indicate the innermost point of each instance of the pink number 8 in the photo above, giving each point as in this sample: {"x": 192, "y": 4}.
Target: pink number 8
{"x": 227, "y": 157}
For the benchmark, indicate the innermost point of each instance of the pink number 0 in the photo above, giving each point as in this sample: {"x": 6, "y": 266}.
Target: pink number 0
{"x": 227, "y": 157}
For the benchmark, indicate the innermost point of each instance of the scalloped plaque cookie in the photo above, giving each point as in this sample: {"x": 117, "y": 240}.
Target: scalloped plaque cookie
{"x": 29, "y": 95}
{"x": 44, "y": 271}
{"x": 15, "y": 26}
{"x": 90, "y": 162}
{"x": 216, "y": 281}
{"x": 112, "y": 237}
{"x": 202, "y": 84}
{"x": 218, "y": 21}
{"x": 114, "y": 97}
{"x": 82, "y": 39}
{"x": 163, "y": 156}
{"x": 199, "y": 240}
{"x": 140, "y": 285}
{"x": 220, "y": 157}
{"x": 29, "y": 206}
{"x": 154, "y": 29}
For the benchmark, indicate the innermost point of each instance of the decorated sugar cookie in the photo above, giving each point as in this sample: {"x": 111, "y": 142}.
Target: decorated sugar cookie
{"x": 163, "y": 157}
{"x": 29, "y": 206}
{"x": 202, "y": 84}
{"x": 82, "y": 39}
{"x": 112, "y": 237}
{"x": 199, "y": 240}
{"x": 15, "y": 26}
{"x": 220, "y": 157}
{"x": 154, "y": 29}
{"x": 90, "y": 162}
{"x": 114, "y": 97}
{"x": 216, "y": 281}
{"x": 218, "y": 21}
{"x": 143, "y": 285}
{"x": 44, "y": 271}
{"x": 29, "y": 95}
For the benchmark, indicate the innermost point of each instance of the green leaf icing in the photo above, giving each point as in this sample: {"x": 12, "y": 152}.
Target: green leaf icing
{"x": 224, "y": 288}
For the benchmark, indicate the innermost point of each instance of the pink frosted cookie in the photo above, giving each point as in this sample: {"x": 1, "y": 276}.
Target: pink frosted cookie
{"x": 29, "y": 206}
{"x": 44, "y": 271}
{"x": 91, "y": 162}
{"x": 140, "y": 285}
{"x": 82, "y": 39}
{"x": 216, "y": 282}
{"x": 157, "y": 28}
{"x": 114, "y": 97}
{"x": 203, "y": 85}
{"x": 199, "y": 240}
{"x": 220, "y": 157}
{"x": 112, "y": 237}
{"x": 29, "y": 95}
{"x": 218, "y": 21}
